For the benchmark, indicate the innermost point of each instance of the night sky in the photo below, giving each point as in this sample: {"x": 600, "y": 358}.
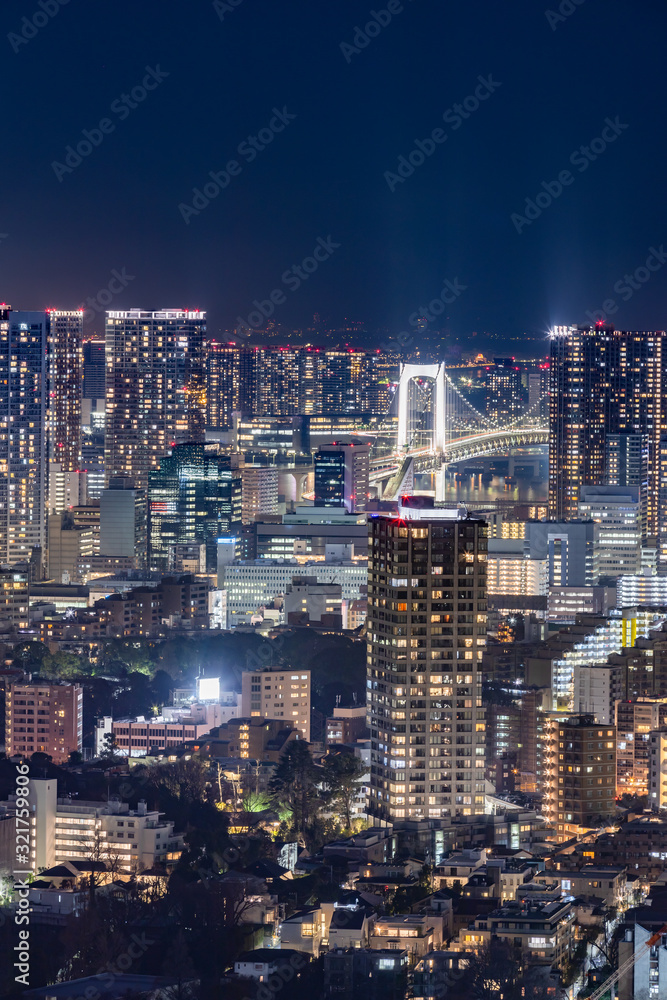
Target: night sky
{"x": 218, "y": 78}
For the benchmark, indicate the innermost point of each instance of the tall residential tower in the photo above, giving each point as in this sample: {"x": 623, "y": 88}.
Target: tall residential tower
{"x": 23, "y": 408}
{"x": 608, "y": 407}
{"x": 155, "y": 390}
{"x": 426, "y": 632}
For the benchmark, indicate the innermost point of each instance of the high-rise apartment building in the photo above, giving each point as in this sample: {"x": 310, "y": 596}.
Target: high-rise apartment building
{"x": 538, "y": 392}
{"x": 123, "y": 521}
{"x": 194, "y": 495}
{"x": 626, "y": 459}
{"x": 285, "y": 381}
{"x": 341, "y": 476}
{"x": 635, "y": 721}
{"x": 568, "y": 548}
{"x": 617, "y": 545}
{"x": 14, "y": 595}
{"x": 23, "y": 411}
{"x": 426, "y": 633}
{"x": 504, "y": 395}
{"x": 155, "y": 389}
{"x": 259, "y": 492}
{"x": 657, "y": 769}
{"x": 604, "y": 383}
{"x": 45, "y": 718}
{"x": 65, "y": 387}
{"x": 228, "y": 382}
{"x": 580, "y": 774}
{"x": 94, "y": 369}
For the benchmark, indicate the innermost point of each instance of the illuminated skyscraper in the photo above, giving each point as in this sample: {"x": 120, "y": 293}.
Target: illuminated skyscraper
{"x": 228, "y": 382}
{"x": 504, "y": 395}
{"x": 604, "y": 385}
{"x": 287, "y": 381}
{"x": 93, "y": 369}
{"x": 341, "y": 476}
{"x": 65, "y": 391}
{"x": 155, "y": 391}
{"x": 426, "y": 631}
{"x": 193, "y": 496}
{"x": 23, "y": 410}
{"x": 276, "y": 378}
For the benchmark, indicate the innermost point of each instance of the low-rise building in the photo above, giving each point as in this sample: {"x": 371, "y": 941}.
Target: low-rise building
{"x": 143, "y": 611}
{"x": 309, "y": 601}
{"x": 346, "y": 725}
{"x": 375, "y": 974}
{"x": 539, "y": 933}
{"x": 377, "y": 844}
{"x": 249, "y": 739}
{"x": 109, "y": 832}
{"x": 146, "y": 736}
{"x": 438, "y": 973}
{"x": 305, "y": 932}
{"x": 262, "y": 963}
{"x": 457, "y": 868}
{"x": 641, "y": 845}
{"x": 606, "y": 883}
{"x": 415, "y": 933}
{"x": 350, "y": 927}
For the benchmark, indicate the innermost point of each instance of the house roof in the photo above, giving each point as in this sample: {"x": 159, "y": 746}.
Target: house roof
{"x": 269, "y": 956}
{"x": 347, "y": 920}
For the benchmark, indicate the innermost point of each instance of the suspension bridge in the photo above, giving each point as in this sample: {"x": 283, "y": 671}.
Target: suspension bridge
{"x": 431, "y": 425}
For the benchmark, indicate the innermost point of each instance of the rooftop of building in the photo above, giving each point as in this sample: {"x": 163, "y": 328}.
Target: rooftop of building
{"x": 537, "y": 908}
{"x": 121, "y": 984}
{"x": 269, "y": 956}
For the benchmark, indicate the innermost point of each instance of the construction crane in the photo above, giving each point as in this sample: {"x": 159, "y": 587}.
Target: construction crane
{"x": 628, "y": 965}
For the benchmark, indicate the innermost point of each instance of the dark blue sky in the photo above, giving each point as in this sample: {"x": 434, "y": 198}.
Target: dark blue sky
{"x": 323, "y": 175}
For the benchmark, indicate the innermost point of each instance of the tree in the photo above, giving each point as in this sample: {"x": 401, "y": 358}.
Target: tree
{"x": 75, "y": 757}
{"x": 342, "y": 775}
{"x": 102, "y": 861}
{"x": 64, "y": 666}
{"x": 295, "y": 782}
{"x": 256, "y": 802}
{"x": 110, "y": 746}
{"x": 29, "y": 655}
{"x": 494, "y": 973}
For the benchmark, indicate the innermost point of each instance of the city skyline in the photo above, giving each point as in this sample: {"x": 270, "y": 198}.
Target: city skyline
{"x": 333, "y": 501}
